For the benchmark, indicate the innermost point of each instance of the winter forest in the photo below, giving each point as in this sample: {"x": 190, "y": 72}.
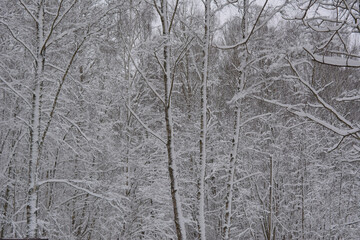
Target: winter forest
{"x": 180, "y": 119}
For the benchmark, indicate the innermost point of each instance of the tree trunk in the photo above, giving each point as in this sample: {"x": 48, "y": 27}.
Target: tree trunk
{"x": 31, "y": 208}
{"x": 203, "y": 123}
{"x": 231, "y": 173}
{"x": 168, "y": 81}
{"x": 235, "y": 139}
{"x": 270, "y": 200}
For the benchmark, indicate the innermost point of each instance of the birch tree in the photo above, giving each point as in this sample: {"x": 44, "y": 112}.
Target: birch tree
{"x": 203, "y": 123}
{"x": 168, "y": 76}
{"x": 244, "y": 89}
{"x": 164, "y": 120}
{"x": 47, "y": 25}
{"x": 313, "y": 154}
{"x": 335, "y": 25}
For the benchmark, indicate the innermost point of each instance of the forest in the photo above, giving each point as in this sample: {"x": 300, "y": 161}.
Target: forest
{"x": 180, "y": 119}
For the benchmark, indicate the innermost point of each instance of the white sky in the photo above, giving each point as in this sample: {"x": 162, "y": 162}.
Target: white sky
{"x": 230, "y": 11}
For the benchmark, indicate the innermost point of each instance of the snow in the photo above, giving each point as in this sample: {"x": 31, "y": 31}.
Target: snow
{"x": 226, "y": 190}
{"x": 348, "y": 99}
{"x": 15, "y": 91}
{"x": 340, "y": 131}
{"x": 337, "y": 61}
{"x": 334, "y": 60}
{"x": 301, "y": 113}
{"x": 357, "y": 148}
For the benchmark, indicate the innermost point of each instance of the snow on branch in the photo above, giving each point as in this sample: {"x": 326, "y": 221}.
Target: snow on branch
{"x": 350, "y": 96}
{"x": 58, "y": 91}
{"x": 72, "y": 183}
{"x": 342, "y": 132}
{"x": 19, "y": 40}
{"x": 253, "y": 118}
{"x": 291, "y": 108}
{"x": 53, "y": 25}
{"x": 327, "y": 106}
{"x": 15, "y": 91}
{"x": 253, "y": 29}
{"x": 348, "y": 99}
{"x": 336, "y": 145}
{"x": 144, "y": 125}
{"x": 246, "y": 177}
{"x": 357, "y": 148}
{"x": 243, "y": 94}
{"x": 145, "y": 78}
{"x": 334, "y": 61}
{"x": 75, "y": 125}
{"x": 29, "y": 12}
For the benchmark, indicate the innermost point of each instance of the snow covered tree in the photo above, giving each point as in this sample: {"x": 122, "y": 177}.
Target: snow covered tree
{"x": 179, "y": 119}
{"x": 48, "y": 35}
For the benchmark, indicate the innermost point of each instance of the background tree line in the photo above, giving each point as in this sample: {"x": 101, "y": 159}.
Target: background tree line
{"x": 155, "y": 119}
